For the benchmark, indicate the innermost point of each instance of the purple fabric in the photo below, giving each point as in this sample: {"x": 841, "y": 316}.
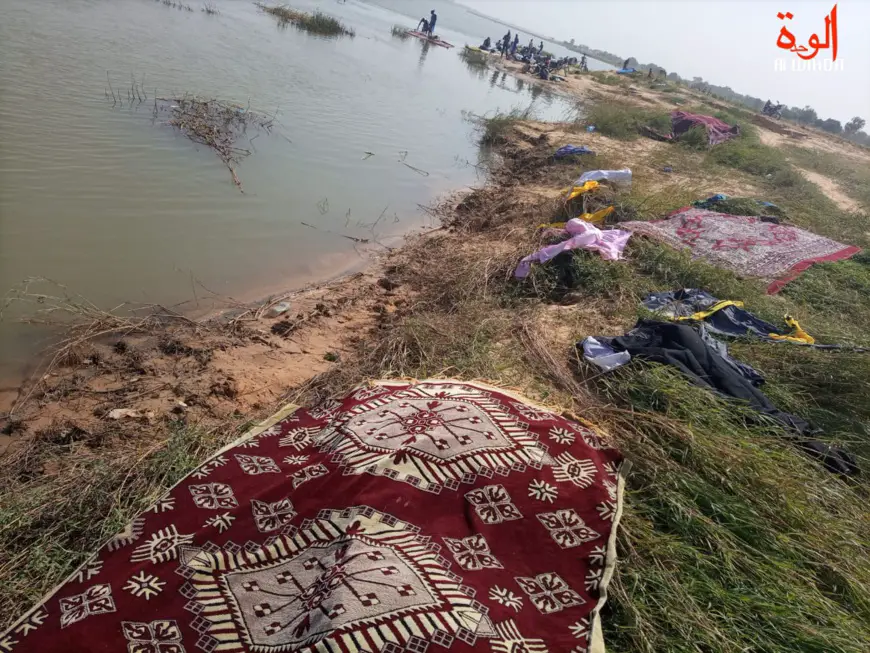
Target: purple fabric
{"x": 571, "y": 150}
{"x": 608, "y": 243}
{"x": 717, "y": 131}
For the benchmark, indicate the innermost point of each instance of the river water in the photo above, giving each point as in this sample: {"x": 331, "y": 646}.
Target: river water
{"x": 118, "y": 207}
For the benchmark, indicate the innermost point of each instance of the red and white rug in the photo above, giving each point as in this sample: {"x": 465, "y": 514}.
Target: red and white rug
{"x": 746, "y": 245}
{"x": 440, "y": 515}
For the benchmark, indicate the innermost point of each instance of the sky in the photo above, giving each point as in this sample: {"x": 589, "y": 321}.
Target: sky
{"x": 727, "y": 43}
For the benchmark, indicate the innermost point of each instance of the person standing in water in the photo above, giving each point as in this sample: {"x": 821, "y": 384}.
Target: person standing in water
{"x": 432, "y": 20}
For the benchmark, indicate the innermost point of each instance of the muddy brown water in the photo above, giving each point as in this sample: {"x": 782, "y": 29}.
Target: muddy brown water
{"x": 118, "y": 207}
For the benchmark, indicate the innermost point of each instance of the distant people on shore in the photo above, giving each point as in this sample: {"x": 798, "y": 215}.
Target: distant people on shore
{"x": 541, "y": 48}
{"x": 505, "y": 43}
{"x": 433, "y": 18}
{"x": 487, "y": 44}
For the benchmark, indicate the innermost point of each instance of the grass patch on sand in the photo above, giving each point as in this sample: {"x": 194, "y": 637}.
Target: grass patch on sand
{"x": 316, "y": 23}
{"x": 695, "y": 138}
{"x": 496, "y": 128}
{"x": 625, "y": 122}
{"x": 474, "y": 58}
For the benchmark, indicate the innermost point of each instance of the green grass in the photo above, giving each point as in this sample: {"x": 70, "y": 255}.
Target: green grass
{"x": 625, "y": 122}
{"x": 495, "y": 128}
{"x": 317, "y": 23}
{"x": 695, "y": 138}
{"x": 730, "y": 540}
{"x": 752, "y": 157}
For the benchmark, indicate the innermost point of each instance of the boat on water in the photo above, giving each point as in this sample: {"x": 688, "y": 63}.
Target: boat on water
{"x": 434, "y": 40}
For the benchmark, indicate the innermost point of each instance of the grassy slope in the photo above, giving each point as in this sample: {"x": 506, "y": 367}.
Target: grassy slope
{"x": 731, "y": 540}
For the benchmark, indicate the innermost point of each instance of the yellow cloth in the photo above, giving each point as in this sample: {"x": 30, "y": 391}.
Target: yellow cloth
{"x": 598, "y": 216}
{"x": 579, "y": 190}
{"x": 594, "y": 218}
{"x": 797, "y": 333}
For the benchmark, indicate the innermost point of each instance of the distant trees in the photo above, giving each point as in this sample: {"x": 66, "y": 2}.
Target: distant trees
{"x": 854, "y": 125}
{"x": 830, "y": 125}
{"x": 808, "y": 115}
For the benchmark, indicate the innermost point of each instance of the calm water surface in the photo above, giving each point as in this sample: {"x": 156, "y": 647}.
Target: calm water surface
{"x": 119, "y": 207}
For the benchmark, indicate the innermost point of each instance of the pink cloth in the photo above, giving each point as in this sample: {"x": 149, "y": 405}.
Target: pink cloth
{"x": 717, "y": 131}
{"x": 746, "y": 245}
{"x": 608, "y": 243}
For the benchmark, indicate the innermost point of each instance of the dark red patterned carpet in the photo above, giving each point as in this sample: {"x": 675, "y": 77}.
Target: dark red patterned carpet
{"x": 437, "y": 516}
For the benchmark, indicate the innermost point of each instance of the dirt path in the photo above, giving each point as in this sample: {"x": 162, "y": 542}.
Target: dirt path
{"x": 830, "y": 188}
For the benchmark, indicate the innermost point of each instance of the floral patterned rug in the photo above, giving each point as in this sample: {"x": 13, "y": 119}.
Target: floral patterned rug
{"x": 749, "y": 246}
{"x": 439, "y": 515}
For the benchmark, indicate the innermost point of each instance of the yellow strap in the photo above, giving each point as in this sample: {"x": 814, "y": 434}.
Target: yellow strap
{"x": 700, "y": 315}
{"x": 797, "y": 333}
{"x": 598, "y": 216}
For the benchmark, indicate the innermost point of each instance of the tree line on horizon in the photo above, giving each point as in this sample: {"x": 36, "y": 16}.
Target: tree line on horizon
{"x": 852, "y": 130}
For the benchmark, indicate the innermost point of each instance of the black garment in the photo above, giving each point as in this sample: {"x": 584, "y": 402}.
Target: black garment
{"x": 680, "y": 346}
